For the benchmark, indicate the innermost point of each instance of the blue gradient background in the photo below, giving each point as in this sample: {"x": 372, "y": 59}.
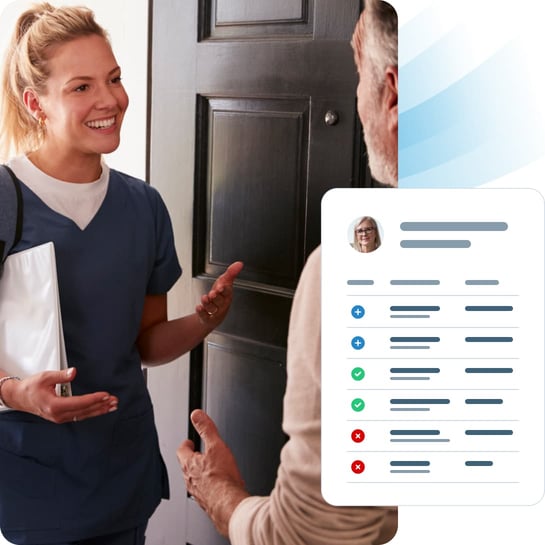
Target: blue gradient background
{"x": 469, "y": 108}
{"x": 471, "y": 114}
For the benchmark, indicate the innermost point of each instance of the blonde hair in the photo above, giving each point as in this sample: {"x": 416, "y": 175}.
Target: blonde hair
{"x": 26, "y": 66}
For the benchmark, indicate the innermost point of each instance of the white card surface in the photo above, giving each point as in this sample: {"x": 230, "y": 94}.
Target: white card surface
{"x": 433, "y": 349}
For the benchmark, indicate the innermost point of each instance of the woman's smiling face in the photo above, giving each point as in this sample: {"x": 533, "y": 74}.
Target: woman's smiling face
{"x": 366, "y": 236}
{"x": 84, "y": 100}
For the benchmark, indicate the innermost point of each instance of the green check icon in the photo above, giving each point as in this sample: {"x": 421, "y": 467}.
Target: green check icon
{"x": 358, "y": 405}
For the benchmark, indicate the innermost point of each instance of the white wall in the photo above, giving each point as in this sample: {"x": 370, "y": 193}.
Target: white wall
{"x": 127, "y": 24}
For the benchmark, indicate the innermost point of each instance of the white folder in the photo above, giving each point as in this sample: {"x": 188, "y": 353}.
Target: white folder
{"x": 31, "y": 335}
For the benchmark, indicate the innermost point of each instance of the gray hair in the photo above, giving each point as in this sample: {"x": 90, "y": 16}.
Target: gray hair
{"x": 377, "y": 31}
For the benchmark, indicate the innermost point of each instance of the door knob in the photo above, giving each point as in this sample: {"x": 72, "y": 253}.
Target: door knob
{"x": 331, "y": 118}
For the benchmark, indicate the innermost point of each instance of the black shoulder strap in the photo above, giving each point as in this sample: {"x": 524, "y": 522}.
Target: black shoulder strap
{"x": 11, "y": 211}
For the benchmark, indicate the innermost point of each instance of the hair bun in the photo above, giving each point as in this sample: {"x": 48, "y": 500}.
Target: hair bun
{"x": 31, "y": 16}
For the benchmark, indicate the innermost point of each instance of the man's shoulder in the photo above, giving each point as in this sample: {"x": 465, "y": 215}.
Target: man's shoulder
{"x": 313, "y": 266}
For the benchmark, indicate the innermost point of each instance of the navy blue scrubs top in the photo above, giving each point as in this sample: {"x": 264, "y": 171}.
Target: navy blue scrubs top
{"x": 102, "y": 475}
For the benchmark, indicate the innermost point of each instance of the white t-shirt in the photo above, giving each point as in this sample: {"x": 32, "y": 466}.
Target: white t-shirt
{"x": 76, "y": 201}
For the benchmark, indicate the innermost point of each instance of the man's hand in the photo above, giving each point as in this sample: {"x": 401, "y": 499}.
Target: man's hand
{"x": 212, "y": 478}
{"x": 215, "y": 304}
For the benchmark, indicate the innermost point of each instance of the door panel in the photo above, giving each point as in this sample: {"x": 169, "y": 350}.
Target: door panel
{"x": 241, "y": 12}
{"x": 241, "y": 19}
{"x": 242, "y": 153}
{"x": 257, "y": 372}
{"x": 254, "y": 179}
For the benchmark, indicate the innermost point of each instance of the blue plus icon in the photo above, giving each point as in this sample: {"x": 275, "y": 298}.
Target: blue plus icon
{"x": 358, "y": 311}
{"x": 358, "y": 343}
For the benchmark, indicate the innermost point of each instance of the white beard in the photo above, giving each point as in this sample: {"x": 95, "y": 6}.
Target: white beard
{"x": 382, "y": 165}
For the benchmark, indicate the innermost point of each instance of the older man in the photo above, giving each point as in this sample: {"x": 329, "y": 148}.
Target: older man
{"x": 295, "y": 512}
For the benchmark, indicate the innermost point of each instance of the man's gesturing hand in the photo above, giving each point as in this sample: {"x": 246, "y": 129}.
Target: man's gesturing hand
{"x": 212, "y": 477}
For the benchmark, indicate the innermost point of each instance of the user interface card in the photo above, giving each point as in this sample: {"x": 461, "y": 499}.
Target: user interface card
{"x": 433, "y": 347}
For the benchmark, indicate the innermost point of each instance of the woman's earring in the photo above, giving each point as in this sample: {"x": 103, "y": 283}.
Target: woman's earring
{"x": 41, "y": 122}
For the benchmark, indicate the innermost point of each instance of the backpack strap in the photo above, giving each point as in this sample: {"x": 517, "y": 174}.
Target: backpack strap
{"x": 11, "y": 212}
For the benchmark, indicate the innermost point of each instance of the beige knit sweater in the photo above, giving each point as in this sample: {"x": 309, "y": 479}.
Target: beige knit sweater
{"x": 295, "y": 512}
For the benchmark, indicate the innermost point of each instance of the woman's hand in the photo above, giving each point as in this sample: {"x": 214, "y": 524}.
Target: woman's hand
{"x": 37, "y": 395}
{"x": 215, "y": 304}
{"x": 161, "y": 341}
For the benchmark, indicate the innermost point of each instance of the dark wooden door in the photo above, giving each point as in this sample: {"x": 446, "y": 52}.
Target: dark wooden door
{"x": 253, "y": 119}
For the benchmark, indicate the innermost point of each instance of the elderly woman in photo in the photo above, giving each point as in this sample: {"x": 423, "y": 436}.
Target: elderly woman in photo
{"x": 366, "y": 235}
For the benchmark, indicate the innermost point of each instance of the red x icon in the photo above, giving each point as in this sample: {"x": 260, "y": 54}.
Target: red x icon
{"x": 358, "y": 466}
{"x": 358, "y": 436}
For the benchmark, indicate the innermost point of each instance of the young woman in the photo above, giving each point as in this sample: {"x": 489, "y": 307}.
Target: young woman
{"x": 87, "y": 469}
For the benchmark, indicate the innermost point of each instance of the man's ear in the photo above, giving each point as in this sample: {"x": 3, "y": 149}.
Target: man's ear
{"x": 390, "y": 97}
{"x": 32, "y": 103}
